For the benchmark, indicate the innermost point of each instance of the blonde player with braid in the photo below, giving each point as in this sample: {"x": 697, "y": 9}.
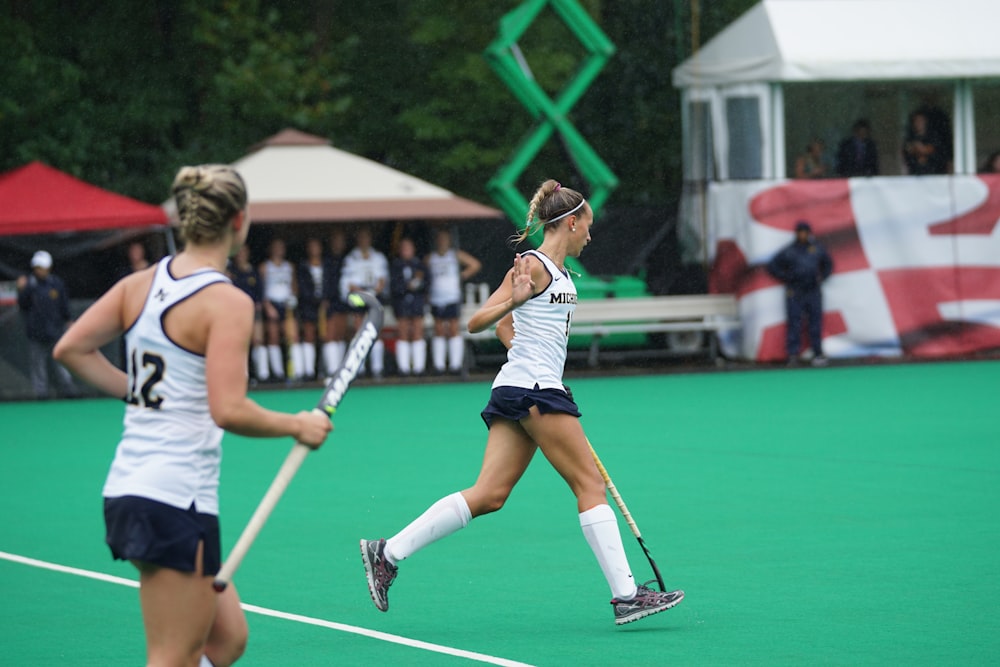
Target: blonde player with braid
{"x": 187, "y": 334}
{"x": 529, "y": 409}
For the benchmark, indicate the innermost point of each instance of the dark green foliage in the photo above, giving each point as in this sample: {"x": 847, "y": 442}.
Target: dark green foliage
{"x": 122, "y": 93}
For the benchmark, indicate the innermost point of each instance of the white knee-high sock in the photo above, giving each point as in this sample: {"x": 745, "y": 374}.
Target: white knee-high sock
{"x": 277, "y": 363}
{"x": 419, "y": 350}
{"x": 600, "y": 527}
{"x": 260, "y": 362}
{"x": 333, "y": 354}
{"x": 438, "y": 346}
{"x": 297, "y": 352}
{"x": 441, "y": 519}
{"x": 309, "y": 359}
{"x": 205, "y": 662}
{"x": 403, "y": 356}
{"x": 377, "y": 357}
{"x": 456, "y": 352}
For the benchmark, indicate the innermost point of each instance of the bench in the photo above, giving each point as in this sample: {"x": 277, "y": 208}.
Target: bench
{"x": 598, "y": 319}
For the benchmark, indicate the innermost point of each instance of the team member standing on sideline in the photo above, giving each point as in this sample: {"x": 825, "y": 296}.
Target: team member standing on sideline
{"x": 408, "y": 283}
{"x": 530, "y": 409}
{"x": 280, "y": 300}
{"x": 448, "y": 268}
{"x": 335, "y": 336}
{"x": 187, "y": 332}
{"x": 244, "y": 275}
{"x": 365, "y": 268}
{"x": 312, "y": 299}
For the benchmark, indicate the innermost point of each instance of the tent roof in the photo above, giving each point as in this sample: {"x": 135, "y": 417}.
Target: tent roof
{"x": 37, "y": 199}
{"x": 843, "y": 40}
{"x": 299, "y": 177}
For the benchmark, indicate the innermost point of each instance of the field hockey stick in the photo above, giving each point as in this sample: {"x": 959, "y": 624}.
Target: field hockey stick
{"x": 336, "y": 387}
{"x": 623, "y": 508}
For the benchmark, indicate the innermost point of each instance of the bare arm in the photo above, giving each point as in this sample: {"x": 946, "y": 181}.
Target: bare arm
{"x": 517, "y": 287}
{"x": 79, "y": 349}
{"x": 226, "y": 348}
{"x": 470, "y": 265}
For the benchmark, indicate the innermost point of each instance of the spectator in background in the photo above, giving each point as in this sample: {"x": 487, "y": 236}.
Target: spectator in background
{"x": 135, "y": 259}
{"x": 408, "y": 284}
{"x": 857, "y": 155}
{"x": 365, "y": 268}
{"x": 245, "y": 276}
{"x": 992, "y": 164}
{"x": 811, "y": 163}
{"x": 312, "y": 301}
{"x": 335, "y": 336}
{"x": 448, "y": 268}
{"x": 42, "y": 299}
{"x": 280, "y": 299}
{"x": 924, "y": 149}
{"x": 802, "y": 266}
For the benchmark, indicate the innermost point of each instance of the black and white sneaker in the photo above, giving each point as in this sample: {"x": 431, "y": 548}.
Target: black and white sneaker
{"x": 380, "y": 572}
{"x": 645, "y": 603}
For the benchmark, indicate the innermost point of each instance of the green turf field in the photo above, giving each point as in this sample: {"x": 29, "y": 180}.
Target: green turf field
{"x": 844, "y": 516}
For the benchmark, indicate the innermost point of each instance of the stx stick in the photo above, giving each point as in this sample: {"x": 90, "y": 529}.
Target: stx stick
{"x": 627, "y": 515}
{"x": 336, "y": 387}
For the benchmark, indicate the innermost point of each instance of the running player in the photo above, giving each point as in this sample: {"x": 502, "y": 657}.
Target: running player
{"x": 530, "y": 409}
{"x": 448, "y": 267}
{"x": 187, "y": 333}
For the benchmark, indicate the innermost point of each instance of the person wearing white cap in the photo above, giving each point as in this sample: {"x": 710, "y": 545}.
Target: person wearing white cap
{"x": 43, "y": 300}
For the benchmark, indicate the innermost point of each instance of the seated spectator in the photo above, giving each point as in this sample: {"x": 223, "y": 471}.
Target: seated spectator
{"x": 857, "y": 155}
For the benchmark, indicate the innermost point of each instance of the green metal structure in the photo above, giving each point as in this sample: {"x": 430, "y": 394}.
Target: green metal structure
{"x": 504, "y": 56}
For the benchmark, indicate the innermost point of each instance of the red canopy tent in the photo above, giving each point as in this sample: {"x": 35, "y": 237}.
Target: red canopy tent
{"x": 37, "y": 199}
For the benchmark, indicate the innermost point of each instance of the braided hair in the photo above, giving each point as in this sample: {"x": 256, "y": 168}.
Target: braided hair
{"x": 207, "y": 196}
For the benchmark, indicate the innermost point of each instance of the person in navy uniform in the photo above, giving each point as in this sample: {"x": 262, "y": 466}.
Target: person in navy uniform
{"x": 802, "y": 266}
{"x": 408, "y": 286}
{"x": 42, "y": 299}
{"x": 244, "y": 275}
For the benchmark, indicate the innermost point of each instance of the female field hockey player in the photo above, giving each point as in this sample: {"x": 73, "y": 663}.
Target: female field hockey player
{"x": 529, "y": 409}
{"x": 187, "y": 333}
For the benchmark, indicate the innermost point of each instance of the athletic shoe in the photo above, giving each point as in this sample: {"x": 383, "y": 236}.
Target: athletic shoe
{"x": 820, "y": 361}
{"x": 645, "y": 603}
{"x": 380, "y": 572}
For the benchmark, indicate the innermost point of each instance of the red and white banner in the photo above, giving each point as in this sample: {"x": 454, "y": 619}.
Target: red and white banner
{"x": 916, "y": 262}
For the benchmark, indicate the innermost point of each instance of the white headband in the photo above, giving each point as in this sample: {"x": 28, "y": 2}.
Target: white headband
{"x": 569, "y": 212}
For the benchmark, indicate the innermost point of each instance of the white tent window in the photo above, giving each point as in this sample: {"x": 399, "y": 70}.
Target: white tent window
{"x": 699, "y": 154}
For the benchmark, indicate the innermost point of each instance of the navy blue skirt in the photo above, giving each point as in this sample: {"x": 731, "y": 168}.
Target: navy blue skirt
{"x": 153, "y": 532}
{"x": 513, "y": 403}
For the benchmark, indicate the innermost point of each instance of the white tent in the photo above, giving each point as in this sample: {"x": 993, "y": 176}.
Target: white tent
{"x": 841, "y": 40}
{"x": 298, "y": 177}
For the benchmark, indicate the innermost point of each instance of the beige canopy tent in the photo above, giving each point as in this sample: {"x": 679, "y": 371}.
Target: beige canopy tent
{"x": 298, "y": 177}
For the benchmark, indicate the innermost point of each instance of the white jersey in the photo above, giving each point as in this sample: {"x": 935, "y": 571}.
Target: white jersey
{"x": 446, "y": 278}
{"x": 364, "y": 272}
{"x": 277, "y": 282}
{"x": 541, "y": 329}
{"x": 170, "y": 450}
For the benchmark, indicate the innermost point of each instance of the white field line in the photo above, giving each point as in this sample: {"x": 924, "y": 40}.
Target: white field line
{"x": 264, "y": 611}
